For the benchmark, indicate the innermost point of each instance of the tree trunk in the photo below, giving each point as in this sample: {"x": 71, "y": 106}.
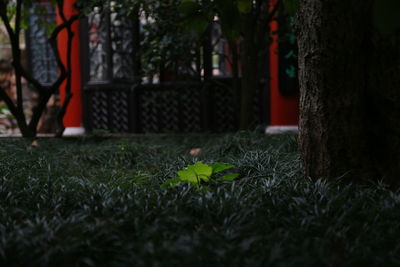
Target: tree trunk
{"x": 345, "y": 125}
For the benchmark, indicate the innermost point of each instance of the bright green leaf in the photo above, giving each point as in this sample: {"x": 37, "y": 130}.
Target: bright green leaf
{"x": 196, "y": 173}
{"x": 203, "y": 171}
{"x": 188, "y": 175}
{"x": 200, "y": 172}
{"x": 219, "y": 167}
{"x": 202, "y": 168}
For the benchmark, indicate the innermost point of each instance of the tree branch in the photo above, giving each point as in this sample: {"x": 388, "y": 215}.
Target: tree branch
{"x": 10, "y": 104}
{"x": 17, "y": 58}
{"x": 60, "y": 5}
{"x": 265, "y": 20}
{"x": 18, "y": 19}
{"x": 45, "y": 92}
{"x": 68, "y": 94}
{"x": 16, "y": 51}
{"x": 61, "y": 114}
{"x": 6, "y": 21}
{"x": 38, "y": 110}
{"x": 29, "y": 78}
{"x": 64, "y": 74}
{"x": 14, "y": 38}
{"x": 53, "y": 44}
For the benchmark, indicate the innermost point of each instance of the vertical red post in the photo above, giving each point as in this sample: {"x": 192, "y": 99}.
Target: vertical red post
{"x": 73, "y": 116}
{"x": 284, "y": 111}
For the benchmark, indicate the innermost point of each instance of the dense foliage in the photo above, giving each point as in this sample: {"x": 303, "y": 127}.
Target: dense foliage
{"x": 97, "y": 201}
{"x": 164, "y": 44}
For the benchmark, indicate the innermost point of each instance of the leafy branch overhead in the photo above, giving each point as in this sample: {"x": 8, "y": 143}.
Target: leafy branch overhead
{"x": 201, "y": 173}
{"x": 244, "y": 24}
{"x": 198, "y": 16}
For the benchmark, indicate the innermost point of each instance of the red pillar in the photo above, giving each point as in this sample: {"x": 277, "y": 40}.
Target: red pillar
{"x": 284, "y": 111}
{"x": 73, "y": 116}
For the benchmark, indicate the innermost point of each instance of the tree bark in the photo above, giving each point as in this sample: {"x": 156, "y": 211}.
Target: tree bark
{"x": 346, "y": 128}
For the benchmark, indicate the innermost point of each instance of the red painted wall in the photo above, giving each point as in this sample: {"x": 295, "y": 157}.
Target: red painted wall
{"x": 284, "y": 111}
{"x": 73, "y": 117}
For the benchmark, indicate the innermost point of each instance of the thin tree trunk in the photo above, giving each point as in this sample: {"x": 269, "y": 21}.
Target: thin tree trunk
{"x": 249, "y": 62}
{"x": 249, "y": 83}
{"x": 45, "y": 92}
{"x": 68, "y": 91}
{"x": 336, "y": 63}
{"x": 236, "y": 82}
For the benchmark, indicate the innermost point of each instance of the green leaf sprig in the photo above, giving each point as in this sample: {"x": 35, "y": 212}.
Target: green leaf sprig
{"x": 201, "y": 173}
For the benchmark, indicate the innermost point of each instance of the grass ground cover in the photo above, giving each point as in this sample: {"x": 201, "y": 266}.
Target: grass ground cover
{"x": 96, "y": 201}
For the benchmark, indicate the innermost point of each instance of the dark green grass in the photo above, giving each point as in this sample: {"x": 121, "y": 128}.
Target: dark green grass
{"x": 96, "y": 202}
